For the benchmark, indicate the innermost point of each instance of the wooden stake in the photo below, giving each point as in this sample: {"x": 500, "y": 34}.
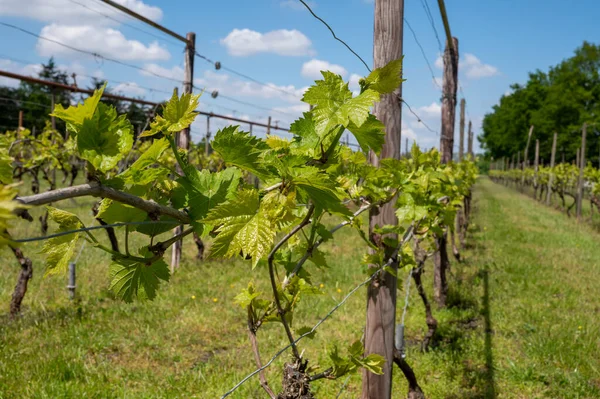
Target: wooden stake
{"x": 449, "y": 100}
{"x": 183, "y": 138}
{"x": 536, "y": 168}
{"x": 206, "y": 145}
{"x": 381, "y": 292}
{"x": 552, "y": 158}
{"x": 526, "y": 153}
{"x": 21, "y": 120}
{"x": 52, "y": 119}
{"x": 470, "y": 141}
{"x": 269, "y": 126}
{"x": 581, "y": 169}
{"x": 461, "y": 144}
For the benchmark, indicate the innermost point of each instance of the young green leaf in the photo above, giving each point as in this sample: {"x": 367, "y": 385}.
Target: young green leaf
{"x": 240, "y": 149}
{"x": 75, "y": 115}
{"x": 242, "y": 228}
{"x": 370, "y": 135}
{"x": 105, "y": 138}
{"x": 384, "y": 80}
{"x": 202, "y": 191}
{"x": 115, "y": 212}
{"x": 179, "y": 113}
{"x": 133, "y": 279}
{"x": 60, "y": 250}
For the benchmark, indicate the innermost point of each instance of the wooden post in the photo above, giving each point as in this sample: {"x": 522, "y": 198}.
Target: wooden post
{"x": 461, "y": 144}
{"x": 52, "y": 119}
{"x": 183, "y": 138}
{"x": 526, "y": 153}
{"x": 470, "y": 141}
{"x": 536, "y": 166}
{"x": 440, "y": 260}
{"x": 381, "y": 292}
{"x": 20, "y": 120}
{"x": 72, "y": 285}
{"x": 269, "y": 126}
{"x": 581, "y": 169}
{"x": 552, "y": 158}
{"x": 206, "y": 145}
{"x": 449, "y": 100}
{"x": 577, "y": 157}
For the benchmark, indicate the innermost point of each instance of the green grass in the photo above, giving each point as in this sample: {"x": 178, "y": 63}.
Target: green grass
{"x": 529, "y": 279}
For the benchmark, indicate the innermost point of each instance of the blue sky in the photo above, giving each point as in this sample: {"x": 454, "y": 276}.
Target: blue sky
{"x": 279, "y": 43}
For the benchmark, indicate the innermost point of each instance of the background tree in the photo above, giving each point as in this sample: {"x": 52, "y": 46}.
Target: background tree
{"x": 560, "y": 100}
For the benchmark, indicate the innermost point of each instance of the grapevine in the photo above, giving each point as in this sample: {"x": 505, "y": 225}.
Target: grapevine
{"x": 270, "y": 201}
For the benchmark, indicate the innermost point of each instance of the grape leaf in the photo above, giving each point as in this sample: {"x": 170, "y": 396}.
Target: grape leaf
{"x": 115, "y": 212}
{"x": 334, "y": 104}
{"x": 384, "y": 80}
{"x": 60, "y": 250}
{"x": 105, "y": 138}
{"x": 148, "y": 158}
{"x": 6, "y": 169}
{"x": 75, "y": 115}
{"x": 242, "y": 227}
{"x": 179, "y": 113}
{"x": 314, "y": 184}
{"x": 202, "y": 190}
{"x": 240, "y": 149}
{"x": 131, "y": 278}
{"x": 370, "y": 135}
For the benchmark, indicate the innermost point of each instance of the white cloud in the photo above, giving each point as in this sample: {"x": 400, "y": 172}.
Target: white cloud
{"x": 475, "y": 69}
{"x": 234, "y": 87}
{"x": 174, "y": 72}
{"x": 67, "y": 12}
{"x": 296, "y": 5}
{"x": 433, "y": 110}
{"x": 353, "y": 83}
{"x": 472, "y": 67}
{"x": 245, "y": 42}
{"x": 105, "y": 41}
{"x": 438, "y": 82}
{"x": 312, "y": 69}
{"x": 130, "y": 89}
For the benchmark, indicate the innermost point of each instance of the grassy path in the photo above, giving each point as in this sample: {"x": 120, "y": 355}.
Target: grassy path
{"x": 524, "y": 320}
{"x": 541, "y": 298}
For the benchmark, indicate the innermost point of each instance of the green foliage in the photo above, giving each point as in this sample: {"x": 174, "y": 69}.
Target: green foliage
{"x": 302, "y": 181}
{"x": 60, "y": 250}
{"x": 74, "y": 116}
{"x": 179, "y": 113}
{"x": 104, "y": 138}
{"x": 133, "y": 278}
{"x": 355, "y": 360}
{"x": 559, "y": 100}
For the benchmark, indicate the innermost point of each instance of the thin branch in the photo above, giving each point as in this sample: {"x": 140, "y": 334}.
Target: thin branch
{"x": 408, "y": 234}
{"x": 301, "y": 337}
{"x": 310, "y": 250}
{"x": 324, "y": 374}
{"x": 161, "y": 247}
{"x": 96, "y": 190}
{"x": 252, "y": 335}
{"x": 273, "y": 187}
{"x": 280, "y": 310}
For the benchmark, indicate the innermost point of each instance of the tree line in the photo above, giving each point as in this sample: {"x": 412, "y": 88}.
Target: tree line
{"x": 559, "y": 100}
{"x": 35, "y": 101}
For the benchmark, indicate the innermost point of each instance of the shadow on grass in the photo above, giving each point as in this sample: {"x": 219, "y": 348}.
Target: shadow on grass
{"x": 470, "y": 315}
